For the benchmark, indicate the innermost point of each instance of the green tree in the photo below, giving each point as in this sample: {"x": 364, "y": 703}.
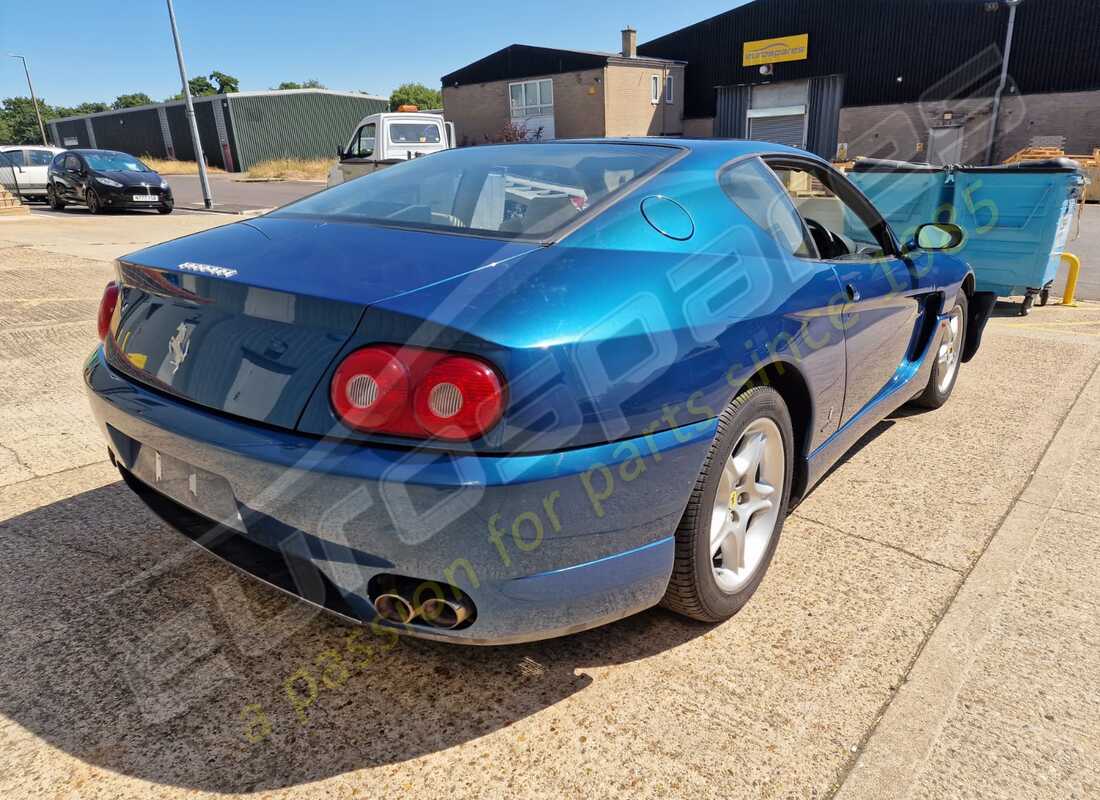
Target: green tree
{"x": 84, "y": 108}
{"x": 312, "y": 83}
{"x": 18, "y": 122}
{"x": 201, "y": 86}
{"x": 131, "y": 100}
{"x": 416, "y": 94}
{"x": 227, "y": 84}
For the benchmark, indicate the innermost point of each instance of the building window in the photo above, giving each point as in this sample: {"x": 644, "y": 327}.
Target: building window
{"x": 655, "y": 89}
{"x": 670, "y": 95}
{"x": 532, "y": 98}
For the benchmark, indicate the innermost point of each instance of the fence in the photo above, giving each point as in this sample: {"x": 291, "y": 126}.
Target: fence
{"x": 8, "y": 178}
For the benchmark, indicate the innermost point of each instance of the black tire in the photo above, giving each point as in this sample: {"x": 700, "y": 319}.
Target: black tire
{"x": 164, "y": 210}
{"x": 1044, "y": 297}
{"x": 91, "y": 199}
{"x": 936, "y": 392}
{"x": 52, "y": 197}
{"x": 693, "y": 589}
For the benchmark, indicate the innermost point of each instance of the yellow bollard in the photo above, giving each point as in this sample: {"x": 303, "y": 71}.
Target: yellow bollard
{"x": 1071, "y": 279}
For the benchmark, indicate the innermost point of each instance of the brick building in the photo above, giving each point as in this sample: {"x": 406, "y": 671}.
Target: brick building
{"x": 565, "y": 94}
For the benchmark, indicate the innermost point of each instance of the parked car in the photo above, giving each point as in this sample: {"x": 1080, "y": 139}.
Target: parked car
{"x": 511, "y": 392}
{"x": 30, "y": 165}
{"x": 102, "y": 179}
{"x": 382, "y": 140}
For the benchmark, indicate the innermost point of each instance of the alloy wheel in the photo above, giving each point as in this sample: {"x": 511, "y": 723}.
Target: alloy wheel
{"x": 746, "y": 505}
{"x": 948, "y": 356}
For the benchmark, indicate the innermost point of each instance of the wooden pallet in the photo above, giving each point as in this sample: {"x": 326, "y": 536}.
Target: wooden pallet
{"x": 1035, "y": 154}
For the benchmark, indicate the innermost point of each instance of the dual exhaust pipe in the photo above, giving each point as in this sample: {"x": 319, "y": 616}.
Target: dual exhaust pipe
{"x": 435, "y": 611}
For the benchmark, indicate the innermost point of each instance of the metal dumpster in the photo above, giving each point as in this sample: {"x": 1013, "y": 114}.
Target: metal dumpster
{"x": 908, "y": 195}
{"x": 1017, "y": 220}
{"x": 1017, "y": 217}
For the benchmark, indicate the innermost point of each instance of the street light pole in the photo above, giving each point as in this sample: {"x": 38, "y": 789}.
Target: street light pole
{"x": 207, "y": 200}
{"x": 996, "y": 112}
{"x": 34, "y": 100}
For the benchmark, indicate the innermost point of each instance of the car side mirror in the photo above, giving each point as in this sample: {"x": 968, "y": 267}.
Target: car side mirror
{"x": 936, "y": 237}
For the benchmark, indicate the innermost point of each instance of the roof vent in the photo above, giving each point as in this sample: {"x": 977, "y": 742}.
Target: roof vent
{"x": 630, "y": 42}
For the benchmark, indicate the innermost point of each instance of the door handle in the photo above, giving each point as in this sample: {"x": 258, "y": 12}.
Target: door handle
{"x": 853, "y": 293}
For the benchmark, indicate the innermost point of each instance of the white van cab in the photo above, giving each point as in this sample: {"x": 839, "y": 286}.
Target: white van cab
{"x": 382, "y": 140}
{"x": 30, "y": 163}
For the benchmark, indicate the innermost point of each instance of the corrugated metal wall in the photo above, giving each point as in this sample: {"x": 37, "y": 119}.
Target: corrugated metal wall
{"x": 134, "y": 132}
{"x": 70, "y": 130}
{"x": 733, "y": 105}
{"x": 936, "y": 47}
{"x": 300, "y": 125}
{"x": 256, "y": 127}
{"x": 826, "y": 95}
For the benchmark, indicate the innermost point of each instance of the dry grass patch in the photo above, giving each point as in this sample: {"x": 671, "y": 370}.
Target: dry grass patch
{"x": 292, "y": 169}
{"x": 170, "y": 166}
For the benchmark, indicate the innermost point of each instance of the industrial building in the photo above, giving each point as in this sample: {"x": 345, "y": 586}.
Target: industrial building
{"x": 907, "y": 79}
{"x": 236, "y": 130}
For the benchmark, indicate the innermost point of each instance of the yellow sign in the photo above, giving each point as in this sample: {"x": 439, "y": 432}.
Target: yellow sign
{"x": 771, "y": 51}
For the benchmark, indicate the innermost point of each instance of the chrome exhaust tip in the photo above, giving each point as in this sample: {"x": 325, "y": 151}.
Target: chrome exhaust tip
{"x": 394, "y": 608}
{"x": 441, "y": 613}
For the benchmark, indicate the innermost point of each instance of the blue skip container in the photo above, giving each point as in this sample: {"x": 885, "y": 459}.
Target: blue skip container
{"x": 1016, "y": 217}
{"x": 908, "y": 195}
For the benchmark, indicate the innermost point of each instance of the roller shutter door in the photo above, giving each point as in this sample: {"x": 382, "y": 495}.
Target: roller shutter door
{"x": 789, "y": 130}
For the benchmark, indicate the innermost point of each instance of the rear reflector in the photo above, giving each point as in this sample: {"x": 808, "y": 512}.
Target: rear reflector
{"x": 410, "y": 391}
{"x": 107, "y": 309}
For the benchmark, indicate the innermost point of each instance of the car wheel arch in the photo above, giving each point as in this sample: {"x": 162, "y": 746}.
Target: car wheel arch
{"x": 786, "y": 379}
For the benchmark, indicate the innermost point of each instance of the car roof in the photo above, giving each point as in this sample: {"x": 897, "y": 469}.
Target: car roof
{"x": 9, "y": 147}
{"x": 87, "y": 151}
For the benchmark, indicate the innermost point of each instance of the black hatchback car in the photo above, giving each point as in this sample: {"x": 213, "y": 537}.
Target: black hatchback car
{"x": 102, "y": 179}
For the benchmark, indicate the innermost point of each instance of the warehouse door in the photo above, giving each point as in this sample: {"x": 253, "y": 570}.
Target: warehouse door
{"x": 777, "y": 113}
{"x": 789, "y": 129}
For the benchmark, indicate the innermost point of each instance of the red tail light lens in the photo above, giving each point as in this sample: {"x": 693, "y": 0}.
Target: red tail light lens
{"x": 410, "y": 391}
{"x": 107, "y": 309}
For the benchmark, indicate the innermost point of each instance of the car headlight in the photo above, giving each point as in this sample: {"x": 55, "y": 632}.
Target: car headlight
{"x": 163, "y": 183}
{"x": 109, "y": 182}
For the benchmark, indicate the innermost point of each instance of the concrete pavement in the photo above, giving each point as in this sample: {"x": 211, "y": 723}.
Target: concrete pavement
{"x": 928, "y": 627}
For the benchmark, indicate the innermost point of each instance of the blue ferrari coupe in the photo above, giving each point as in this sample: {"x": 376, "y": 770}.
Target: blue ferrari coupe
{"x": 505, "y": 393}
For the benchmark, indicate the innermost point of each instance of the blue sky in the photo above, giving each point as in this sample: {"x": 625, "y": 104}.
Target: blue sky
{"x": 96, "y": 50}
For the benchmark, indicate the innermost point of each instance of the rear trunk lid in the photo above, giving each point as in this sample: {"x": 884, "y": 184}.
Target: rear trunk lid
{"x": 246, "y": 318}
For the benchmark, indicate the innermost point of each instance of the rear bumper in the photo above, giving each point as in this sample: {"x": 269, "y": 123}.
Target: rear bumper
{"x": 544, "y": 545}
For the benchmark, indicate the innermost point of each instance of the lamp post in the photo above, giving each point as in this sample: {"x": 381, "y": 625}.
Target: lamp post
{"x": 996, "y": 112}
{"x": 207, "y": 200}
{"x": 34, "y": 100}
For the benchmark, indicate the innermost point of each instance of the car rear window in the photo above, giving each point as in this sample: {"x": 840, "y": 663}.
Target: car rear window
{"x": 506, "y": 191}
{"x": 414, "y": 133}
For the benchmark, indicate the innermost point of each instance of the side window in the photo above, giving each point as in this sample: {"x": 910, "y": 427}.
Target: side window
{"x": 364, "y": 141}
{"x": 72, "y": 162}
{"x": 840, "y": 230}
{"x": 39, "y": 158}
{"x": 58, "y": 161}
{"x": 13, "y": 157}
{"x": 754, "y": 189}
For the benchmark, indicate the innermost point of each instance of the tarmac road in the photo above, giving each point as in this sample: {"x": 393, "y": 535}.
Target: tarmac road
{"x": 928, "y": 628}
{"x": 230, "y": 194}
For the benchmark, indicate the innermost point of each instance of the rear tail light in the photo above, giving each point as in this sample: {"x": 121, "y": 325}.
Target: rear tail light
{"x": 107, "y": 309}
{"x": 410, "y": 391}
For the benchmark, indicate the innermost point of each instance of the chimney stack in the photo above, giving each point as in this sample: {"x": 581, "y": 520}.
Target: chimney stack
{"x": 630, "y": 42}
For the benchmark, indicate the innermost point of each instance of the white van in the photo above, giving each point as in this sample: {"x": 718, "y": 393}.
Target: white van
{"x": 30, "y": 163}
{"x": 382, "y": 140}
